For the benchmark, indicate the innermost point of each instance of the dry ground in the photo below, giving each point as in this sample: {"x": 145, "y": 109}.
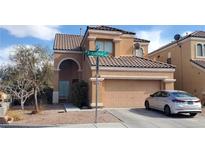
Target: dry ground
{"x": 54, "y": 114}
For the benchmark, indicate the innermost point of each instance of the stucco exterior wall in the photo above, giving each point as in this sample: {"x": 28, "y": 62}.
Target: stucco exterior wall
{"x": 146, "y": 79}
{"x": 123, "y": 44}
{"x": 188, "y": 77}
{"x": 145, "y": 48}
{"x": 59, "y": 57}
{"x": 177, "y": 58}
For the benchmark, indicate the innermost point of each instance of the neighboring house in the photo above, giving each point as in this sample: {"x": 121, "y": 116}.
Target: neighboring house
{"x": 126, "y": 77}
{"x": 188, "y": 54}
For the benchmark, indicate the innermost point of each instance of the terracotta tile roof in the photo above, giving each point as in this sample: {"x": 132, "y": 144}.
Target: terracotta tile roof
{"x": 200, "y": 63}
{"x": 67, "y": 42}
{"x": 108, "y": 28}
{"x": 128, "y": 61}
{"x": 200, "y": 34}
{"x": 196, "y": 34}
{"x": 141, "y": 40}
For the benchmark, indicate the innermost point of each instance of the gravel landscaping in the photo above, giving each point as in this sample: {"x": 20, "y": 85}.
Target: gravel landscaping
{"x": 54, "y": 114}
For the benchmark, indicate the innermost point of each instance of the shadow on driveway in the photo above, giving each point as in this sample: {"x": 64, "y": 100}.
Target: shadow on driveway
{"x": 155, "y": 113}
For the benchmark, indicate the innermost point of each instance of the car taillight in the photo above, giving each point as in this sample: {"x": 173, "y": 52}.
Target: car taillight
{"x": 178, "y": 101}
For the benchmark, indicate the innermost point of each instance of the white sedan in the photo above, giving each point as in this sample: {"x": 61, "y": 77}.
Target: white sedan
{"x": 174, "y": 102}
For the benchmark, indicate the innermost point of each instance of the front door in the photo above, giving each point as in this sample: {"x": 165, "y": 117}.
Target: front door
{"x": 64, "y": 90}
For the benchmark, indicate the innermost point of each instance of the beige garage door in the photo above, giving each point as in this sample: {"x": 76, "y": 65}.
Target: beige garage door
{"x": 128, "y": 93}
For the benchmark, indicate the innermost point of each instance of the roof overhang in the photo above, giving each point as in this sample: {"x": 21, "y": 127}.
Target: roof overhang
{"x": 156, "y": 78}
{"x": 191, "y": 38}
{"x": 67, "y": 51}
{"x": 197, "y": 66}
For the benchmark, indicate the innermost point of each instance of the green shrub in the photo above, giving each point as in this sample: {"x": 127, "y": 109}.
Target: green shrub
{"x": 79, "y": 94}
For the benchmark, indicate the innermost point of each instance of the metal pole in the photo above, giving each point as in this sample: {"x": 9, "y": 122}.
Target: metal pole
{"x": 97, "y": 73}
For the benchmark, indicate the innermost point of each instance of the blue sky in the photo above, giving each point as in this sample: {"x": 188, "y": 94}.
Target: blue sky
{"x": 43, "y": 35}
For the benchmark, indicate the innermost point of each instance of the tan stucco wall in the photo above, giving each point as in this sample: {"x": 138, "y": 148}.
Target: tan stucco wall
{"x": 120, "y": 75}
{"x": 169, "y": 75}
{"x": 87, "y": 74}
{"x": 145, "y": 49}
{"x": 188, "y": 77}
{"x": 123, "y": 45}
{"x": 59, "y": 57}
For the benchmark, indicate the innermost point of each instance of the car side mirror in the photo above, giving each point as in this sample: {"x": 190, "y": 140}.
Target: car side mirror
{"x": 151, "y": 95}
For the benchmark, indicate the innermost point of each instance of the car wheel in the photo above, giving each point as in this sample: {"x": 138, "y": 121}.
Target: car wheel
{"x": 192, "y": 114}
{"x": 167, "y": 110}
{"x": 147, "y": 105}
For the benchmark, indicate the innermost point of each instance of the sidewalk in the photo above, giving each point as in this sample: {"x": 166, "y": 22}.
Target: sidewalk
{"x": 91, "y": 125}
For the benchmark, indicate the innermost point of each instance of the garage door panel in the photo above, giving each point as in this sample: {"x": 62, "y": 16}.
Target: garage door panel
{"x": 128, "y": 93}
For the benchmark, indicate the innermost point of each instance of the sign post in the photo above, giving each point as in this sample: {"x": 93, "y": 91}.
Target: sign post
{"x": 96, "y": 53}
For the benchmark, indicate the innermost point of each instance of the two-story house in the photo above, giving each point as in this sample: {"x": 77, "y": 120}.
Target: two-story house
{"x": 126, "y": 76}
{"x": 188, "y": 55}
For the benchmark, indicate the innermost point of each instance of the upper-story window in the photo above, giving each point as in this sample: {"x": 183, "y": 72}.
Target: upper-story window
{"x": 105, "y": 45}
{"x": 200, "y": 50}
{"x": 169, "y": 59}
{"x": 139, "y": 52}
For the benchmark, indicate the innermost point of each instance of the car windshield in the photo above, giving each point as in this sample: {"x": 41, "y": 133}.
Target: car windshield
{"x": 181, "y": 94}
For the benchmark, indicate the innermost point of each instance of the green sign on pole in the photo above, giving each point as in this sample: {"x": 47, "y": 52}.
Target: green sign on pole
{"x": 96, "y": 53}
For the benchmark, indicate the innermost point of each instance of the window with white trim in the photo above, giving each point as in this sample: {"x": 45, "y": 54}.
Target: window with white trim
{"x": 200, "y": 50}
{"x": 105, "y": 45}
{"x": 139, "y": 52}
{"x": 204, "y": 50}
{"x": 169, "y": 59}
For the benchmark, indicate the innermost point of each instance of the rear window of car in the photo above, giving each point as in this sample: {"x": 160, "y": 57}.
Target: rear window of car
{"x": 182, "y": 94}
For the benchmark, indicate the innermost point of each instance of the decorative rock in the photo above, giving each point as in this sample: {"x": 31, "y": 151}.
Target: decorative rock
{"x": 3, "y": 120}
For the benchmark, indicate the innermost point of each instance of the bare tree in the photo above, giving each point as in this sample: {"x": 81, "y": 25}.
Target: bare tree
{"x": 14, "y": 83}
{"x": 37, "y": 66}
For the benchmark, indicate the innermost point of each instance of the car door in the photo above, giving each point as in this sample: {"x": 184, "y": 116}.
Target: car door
{"x": 155, "y": 99}
{"x": 163, "y": 99}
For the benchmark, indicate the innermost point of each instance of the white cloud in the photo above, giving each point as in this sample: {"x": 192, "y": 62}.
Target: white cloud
{"x": 40, "y": 32}
{"x": 5, "y": 53}
{"x": 155, "y": 38}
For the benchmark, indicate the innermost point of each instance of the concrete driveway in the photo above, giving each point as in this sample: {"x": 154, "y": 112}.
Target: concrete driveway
{"x": 141, "y": 118}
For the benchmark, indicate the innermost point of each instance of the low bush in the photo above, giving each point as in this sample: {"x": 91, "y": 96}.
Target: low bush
{"x": 15, "y": 114}
{"x": 79, "y": 94}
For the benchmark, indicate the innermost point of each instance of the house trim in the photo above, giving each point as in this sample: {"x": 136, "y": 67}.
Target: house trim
{"x": 104, "y": 32}
{"x": 134, "y": 77}
{"x": 169, "y": 80}
{"x": 69, "y": 58}
{"x": 67, "y": 52}
{"x": 163, "y": 78}
{"x": 133, "y": 69}
{"x": 197, "y": 66}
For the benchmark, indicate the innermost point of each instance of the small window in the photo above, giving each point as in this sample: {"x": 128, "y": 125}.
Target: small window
{"x": 105, "y": 45}
{"x": 199, "y": 51}
{"x": 139, "y": 52}
{"x": 204, "y": 50}
{"x": 169, "y": 60}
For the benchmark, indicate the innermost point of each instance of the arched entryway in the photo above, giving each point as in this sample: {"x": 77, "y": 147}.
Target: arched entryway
{"x": 69, "y": 73}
